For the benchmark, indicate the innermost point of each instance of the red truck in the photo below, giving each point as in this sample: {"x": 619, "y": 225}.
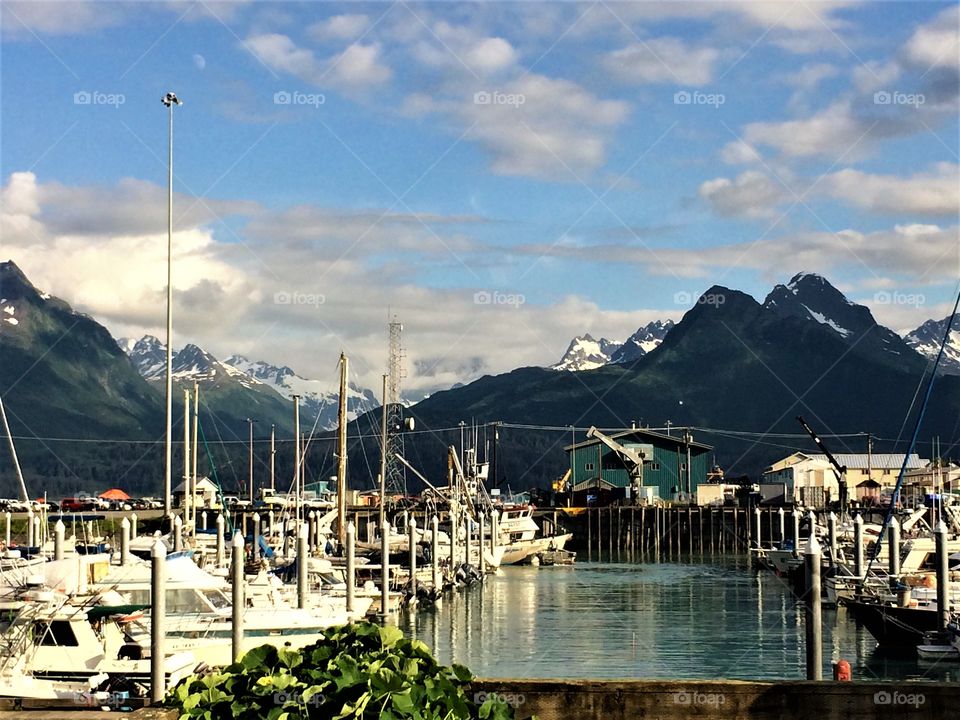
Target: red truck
{"x": 75, "y": 504}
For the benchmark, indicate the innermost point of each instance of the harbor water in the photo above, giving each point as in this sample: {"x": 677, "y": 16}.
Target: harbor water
{"x": 693, "y": 618}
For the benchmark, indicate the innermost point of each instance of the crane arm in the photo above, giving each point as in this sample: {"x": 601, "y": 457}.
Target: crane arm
{"x": 633, "y": 457}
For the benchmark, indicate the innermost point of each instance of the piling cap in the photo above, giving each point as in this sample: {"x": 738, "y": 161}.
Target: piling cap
{"x": 177, "y": 520}
{"x": 133, "y": 516}
{"x": 256, "y": 517}
{"x": 60, "y": 527}
{"x": 858, "y": 520}
{"x": 813, "y": 546}
{"x": 833, "y": 516}
{"x": 237, "y": 540}
{"x": 350, "y": 526}
{"x": 941, "y": 527}
{"x": 125, "y": 523}
{"x": 780, "y": 511}
{"x": 159, "y": 550}
{"x": 413, "y": 522}
{"x": 220, "y": 520}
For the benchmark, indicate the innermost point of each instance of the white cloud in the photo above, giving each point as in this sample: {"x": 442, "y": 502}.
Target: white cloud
{"x": 931, "y": 193}
{"x": 356, "y": 67}
{"x": 559, "y": 127}
{"x": 23, "y": 19}
{"x": 874, "y": 75}
{"x": 830, "y": 132}
{"x": 937, "y": 43}
{"x": 463, "y": 49}
{"x": 340, "y": 27}
{"x": 752, "y": 194}
{"x": 663, "y": 60}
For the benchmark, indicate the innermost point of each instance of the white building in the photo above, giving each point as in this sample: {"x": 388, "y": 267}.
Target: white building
{"x": 810, "y": 480}
{"x": 205, "y": 495}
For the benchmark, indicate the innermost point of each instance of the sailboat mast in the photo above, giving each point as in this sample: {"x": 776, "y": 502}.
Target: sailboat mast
{"x": 13, "y": 454}
{"x": 187, "y": 497}
{"x": 383, "y": 454}
{"x": 196, "y": 456}
{"x": 342, "y": 453}
{"x": 296, "y": 457}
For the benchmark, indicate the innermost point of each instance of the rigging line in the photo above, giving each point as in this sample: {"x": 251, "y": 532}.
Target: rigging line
{"x": 916, "y": 430}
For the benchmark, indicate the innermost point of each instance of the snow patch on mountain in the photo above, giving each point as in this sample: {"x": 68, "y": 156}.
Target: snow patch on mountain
{"x": 585, "y": 353}
{"x": 926, "y": 340}
{"x": 824, "y": 320}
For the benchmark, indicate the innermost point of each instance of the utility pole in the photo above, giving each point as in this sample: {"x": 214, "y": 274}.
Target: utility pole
{"x": 869, "y": 456}
{"x": 170, "y": 99}
{"x": 342, "y": 454}
{"x": 273, "y": 457}
{"x": 250, "y": 422}
{"x": 687, "y": 439}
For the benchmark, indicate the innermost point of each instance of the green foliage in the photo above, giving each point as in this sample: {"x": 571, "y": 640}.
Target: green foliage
{"x": 356, "y": 671}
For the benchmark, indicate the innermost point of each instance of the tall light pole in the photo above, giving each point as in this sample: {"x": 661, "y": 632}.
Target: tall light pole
{"x": 170, "y": 99}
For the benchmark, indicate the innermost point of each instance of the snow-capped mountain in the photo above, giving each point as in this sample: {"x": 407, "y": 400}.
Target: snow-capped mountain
{"x": 926, "y": 340}
{"x": 316, "y": 396}
{"x": 585, "y": 353}
{"x": 642, "y": 341}
{"x": 811, "y": 297}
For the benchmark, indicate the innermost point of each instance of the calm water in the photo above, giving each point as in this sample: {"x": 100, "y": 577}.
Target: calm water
{"x": 686, "y": 619}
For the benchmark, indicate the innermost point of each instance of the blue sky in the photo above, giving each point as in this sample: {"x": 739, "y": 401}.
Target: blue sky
{"x": 592, "y": 160}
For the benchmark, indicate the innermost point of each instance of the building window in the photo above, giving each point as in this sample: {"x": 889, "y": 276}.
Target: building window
{"x": 654, "y": 466}
{"x": 588, "y": 466}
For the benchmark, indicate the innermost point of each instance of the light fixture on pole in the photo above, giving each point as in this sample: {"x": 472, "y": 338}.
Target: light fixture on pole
{"x": 169, "y": 100}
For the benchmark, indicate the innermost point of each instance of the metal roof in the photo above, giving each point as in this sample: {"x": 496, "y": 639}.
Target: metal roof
{"x": 858, "y": 461}
{"x": 639, "y": 434}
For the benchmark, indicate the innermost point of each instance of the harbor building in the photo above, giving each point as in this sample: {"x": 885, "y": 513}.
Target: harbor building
{"x": 603, "y": 468}
{"x": 810, "y": 479}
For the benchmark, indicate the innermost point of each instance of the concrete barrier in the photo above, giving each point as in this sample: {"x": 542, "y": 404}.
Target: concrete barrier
{"x": 721, "y": 700}
{"x": 669, "y": 700}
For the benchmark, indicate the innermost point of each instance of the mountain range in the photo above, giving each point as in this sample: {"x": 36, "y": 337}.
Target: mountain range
{"x": 262, "y": 383}
{"x": 742, "y": 367}
{"x": 731, "y": 363}
{"x": 585, "y": 353}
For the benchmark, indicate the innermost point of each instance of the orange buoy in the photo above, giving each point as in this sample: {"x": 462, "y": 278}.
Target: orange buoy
{"x": 841, "y": 671}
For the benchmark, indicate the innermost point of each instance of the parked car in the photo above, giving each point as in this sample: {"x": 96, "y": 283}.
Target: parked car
{"x": 77, "y": 504}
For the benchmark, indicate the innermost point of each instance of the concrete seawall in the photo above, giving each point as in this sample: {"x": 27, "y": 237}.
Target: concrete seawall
{"x": 668, "y": 700}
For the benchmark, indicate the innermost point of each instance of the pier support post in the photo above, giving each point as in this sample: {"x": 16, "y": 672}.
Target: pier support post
{"x": 893, "y": 548}
{"x": 782, "y": 536}
{"x": 302, "y": 566}
{"x": 351, "y": 569}
{"x": 453, "y": 542}
{"x": 124, "y": 542}
{"x": 271, "y": 524}
{"x": 30, "y": 541}
{"x": 58, "y": 533}
{"x": 221, "y": 550}
{"x": 133, "y": 526}
{"x": 814, "y": 645}
{"x": 203, "y": 520}
{"x": 494, "y": 531}
{"x": 412, "y": 542}
{"x": 943, "y": 577}
{"x": 255, "y": 550}
{"x": 435, "y": 554}
{"x": 795, "y": 516}
{"x": 9, "y": 518}
{"x": 759, "y": 536}
{"x": 385, "y": 571}
{"x": 177, "y": 534}
{"x": 832, "y": 532}
{"x": 158, "y": 615}
{"x": 858, "y": 546}
{"x": 481, "y": 566}
{"x": 238, "y": 593}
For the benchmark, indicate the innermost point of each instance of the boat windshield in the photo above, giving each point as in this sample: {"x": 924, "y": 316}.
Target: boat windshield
{"x": 187, "y": 600}
{"x": 217, "y": 599}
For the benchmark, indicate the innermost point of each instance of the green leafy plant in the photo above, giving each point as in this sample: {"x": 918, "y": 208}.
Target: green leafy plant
{"x": 357, "y": 671}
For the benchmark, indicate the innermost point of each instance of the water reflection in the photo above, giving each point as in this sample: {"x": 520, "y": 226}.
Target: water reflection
{"x": 685, "y": 619}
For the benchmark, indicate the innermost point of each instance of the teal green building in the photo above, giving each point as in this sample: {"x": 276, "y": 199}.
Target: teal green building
{"x": 596, "y": 468}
